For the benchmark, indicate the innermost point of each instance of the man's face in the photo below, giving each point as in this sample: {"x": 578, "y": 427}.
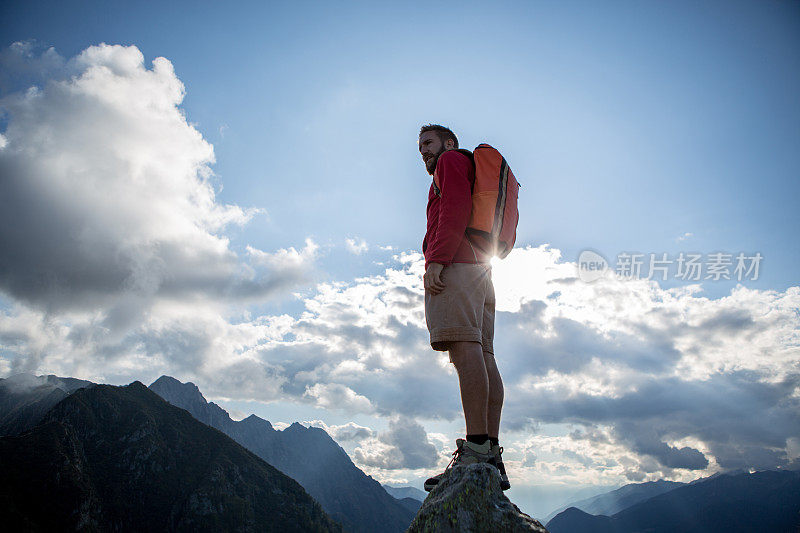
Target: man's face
{"x": 431, "y": 147}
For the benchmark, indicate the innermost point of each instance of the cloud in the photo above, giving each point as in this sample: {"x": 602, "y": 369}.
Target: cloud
{"x": 680, "y": 383}
{"x": 337, "y": 396}
{"x": 345, "y": 432}
{"x": 404, "y": 445}
{"x": 107, "y": 195}
{"x": 356, "y": 247}
{"x": 658, "y": 367}
{"x": 287, "y": 264}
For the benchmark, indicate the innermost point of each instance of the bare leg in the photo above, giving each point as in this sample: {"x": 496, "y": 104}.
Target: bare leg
{"x": 495, "y": 404}
{"x": 474, "y": 383}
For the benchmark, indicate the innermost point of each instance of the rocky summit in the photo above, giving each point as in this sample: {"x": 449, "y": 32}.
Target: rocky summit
{"x": 469, "y": 498}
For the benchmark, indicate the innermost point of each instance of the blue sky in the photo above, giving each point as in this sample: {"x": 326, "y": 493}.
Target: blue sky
{"x": 633, "y": 126}
{"x": 631, "y": 123}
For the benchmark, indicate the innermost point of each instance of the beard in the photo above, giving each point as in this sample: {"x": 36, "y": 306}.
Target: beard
{"x": 430, "y": 164}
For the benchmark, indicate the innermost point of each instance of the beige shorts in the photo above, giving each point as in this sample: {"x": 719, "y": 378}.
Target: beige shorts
{"x": 464, "y": 310}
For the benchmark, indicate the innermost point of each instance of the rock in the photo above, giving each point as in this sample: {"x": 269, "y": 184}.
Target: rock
{"x": 469, "y": 498}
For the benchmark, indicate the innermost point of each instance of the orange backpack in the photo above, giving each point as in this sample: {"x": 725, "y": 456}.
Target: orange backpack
{"x": 493, "y": 222}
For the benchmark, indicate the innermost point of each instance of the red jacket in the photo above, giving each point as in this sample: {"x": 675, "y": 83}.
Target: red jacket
{"x": 445, "y": 241}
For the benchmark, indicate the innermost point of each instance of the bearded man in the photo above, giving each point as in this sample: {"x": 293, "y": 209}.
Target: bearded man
{"x": 459, "y": 299}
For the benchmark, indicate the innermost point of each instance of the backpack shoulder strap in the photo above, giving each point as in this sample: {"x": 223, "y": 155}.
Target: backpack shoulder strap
{"x": 467, "y": 153}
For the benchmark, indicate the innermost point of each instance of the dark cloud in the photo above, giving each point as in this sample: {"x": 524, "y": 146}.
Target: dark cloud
{"x": 406, "y": 446}
{"x": 728, "y": 320}
{"x": 742, "y": 420}
{"x": 649, "y": 443}
{"x": 566, "y": 345}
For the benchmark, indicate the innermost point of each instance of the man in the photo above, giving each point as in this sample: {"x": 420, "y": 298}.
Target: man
{"x": 459, "y": 298}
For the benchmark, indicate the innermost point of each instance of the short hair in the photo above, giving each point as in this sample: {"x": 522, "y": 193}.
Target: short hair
{"x": 443, "y": 133}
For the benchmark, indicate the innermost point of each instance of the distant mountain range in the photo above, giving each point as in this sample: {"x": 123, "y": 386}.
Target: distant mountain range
{"x": 410, "y": 497}
{"x": 738, "y": 502}
{"x": 615, "y": 501}
{"x": 400, "y": 492}
{"x": 121, "y": 458}
{"x": 308, "y": 455}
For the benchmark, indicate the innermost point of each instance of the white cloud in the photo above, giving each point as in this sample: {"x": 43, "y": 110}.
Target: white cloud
{"x": 287, "y": 266}
{"x": 107, "y": 191}
{"x": 356, "y": 246}
{"x": 349, "y": 432}
{"x": 113, "y": 255}
{"x": 337, "y": 396}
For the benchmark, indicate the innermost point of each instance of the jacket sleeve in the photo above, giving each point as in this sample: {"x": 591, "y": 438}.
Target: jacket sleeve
{"x": 456, "y": 204}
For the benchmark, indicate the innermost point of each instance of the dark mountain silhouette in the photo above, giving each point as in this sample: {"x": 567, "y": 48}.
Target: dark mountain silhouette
{"x": 616, "y": 500}
{"x": 111, "y": 458}
{"x": 762, "y": 501}
{"x": 25, "y": 398}
{"x": 412, "y": 504}
{"x": 309, "y": 455}
{"x": 411, "y": 498}
{"x": 573, "y": 520}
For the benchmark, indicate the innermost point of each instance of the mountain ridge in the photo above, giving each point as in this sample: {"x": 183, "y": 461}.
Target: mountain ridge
{"x": 308, "y": 455}
{"x": 759, "y": 501}
{"x": 109, "y": 457}
{"x": 613, "y": 501}
{"x": 25, "y": 399}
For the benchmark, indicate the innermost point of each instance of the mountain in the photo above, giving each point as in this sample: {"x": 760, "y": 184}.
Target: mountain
{"x": 616, "y": 500}
{"x": 412, "y": 504}
{"x": 469, "y": 498}
{"x": 25, "y": 398}
{"x": 406, "y": 492}
{"x": 410, "y": 497}
{"x": 121, "y": 458}
{"x": 573, "y": 520}
{"x": 309, "y": 455}
{"x": 762, "y": 501}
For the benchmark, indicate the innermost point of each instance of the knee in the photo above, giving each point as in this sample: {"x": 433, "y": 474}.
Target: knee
{"x": 463, "y": 350}
{"x": 491, "y": 364}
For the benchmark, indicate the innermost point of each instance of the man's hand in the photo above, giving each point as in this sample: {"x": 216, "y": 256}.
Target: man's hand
{"x": 432, "y": 279}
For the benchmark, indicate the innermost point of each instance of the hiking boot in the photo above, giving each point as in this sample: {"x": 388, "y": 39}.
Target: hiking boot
{"x": 496, "y": 459}
{"x": 466, "y": 453}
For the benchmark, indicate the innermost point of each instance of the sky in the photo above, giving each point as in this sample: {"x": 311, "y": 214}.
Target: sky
{"x": 232, "y": 195}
